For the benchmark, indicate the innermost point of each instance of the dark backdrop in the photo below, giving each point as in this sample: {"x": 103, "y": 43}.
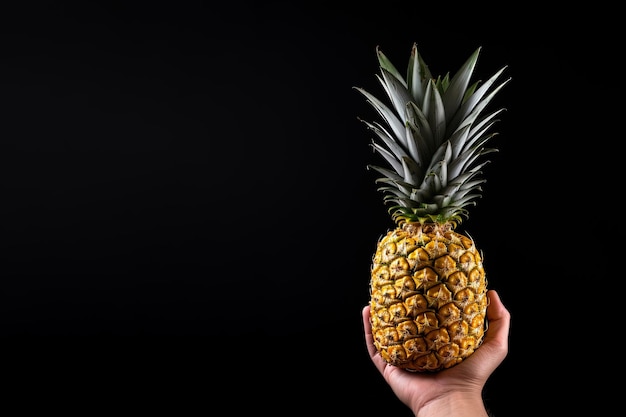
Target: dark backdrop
{"x": 186, "y": 210}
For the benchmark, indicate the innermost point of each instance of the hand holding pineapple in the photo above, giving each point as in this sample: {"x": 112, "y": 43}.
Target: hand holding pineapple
{"x": 428, "y": 285}
{"x": 458, "y": 389}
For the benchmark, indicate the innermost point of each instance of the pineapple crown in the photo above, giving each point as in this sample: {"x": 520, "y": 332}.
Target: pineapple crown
{"x": 432, "y": 138}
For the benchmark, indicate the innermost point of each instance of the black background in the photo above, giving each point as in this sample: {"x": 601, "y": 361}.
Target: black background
{"x": 187, "y": 218}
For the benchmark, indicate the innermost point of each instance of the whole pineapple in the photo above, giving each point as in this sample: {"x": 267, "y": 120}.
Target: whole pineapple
{"x": 428, "y": 285}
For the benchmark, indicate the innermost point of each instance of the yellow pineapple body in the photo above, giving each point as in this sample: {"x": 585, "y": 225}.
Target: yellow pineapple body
{"x": 428, "y": 296}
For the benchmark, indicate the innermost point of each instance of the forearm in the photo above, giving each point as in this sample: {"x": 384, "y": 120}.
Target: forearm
{"x": 454, "y": 405}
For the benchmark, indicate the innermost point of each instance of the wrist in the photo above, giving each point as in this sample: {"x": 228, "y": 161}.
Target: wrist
{"x": 458, "y": 404}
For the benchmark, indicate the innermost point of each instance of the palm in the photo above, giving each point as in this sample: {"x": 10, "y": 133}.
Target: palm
{"x": 418, "y": 388}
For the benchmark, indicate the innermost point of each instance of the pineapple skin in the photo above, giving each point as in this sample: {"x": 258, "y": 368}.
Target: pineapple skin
{"x": 428, "y": 298}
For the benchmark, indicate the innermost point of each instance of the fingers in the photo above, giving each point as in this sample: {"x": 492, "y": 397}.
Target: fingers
{"x": 496, "y": 343}
{"x": 369, "y": 338}
{"x": 499, "y": 319}
{"x": 369, "y": 341}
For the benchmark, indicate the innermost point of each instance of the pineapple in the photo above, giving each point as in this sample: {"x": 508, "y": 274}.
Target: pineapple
{"x": 428, "y": 284}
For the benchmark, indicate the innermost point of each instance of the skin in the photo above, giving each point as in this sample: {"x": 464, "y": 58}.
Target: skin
{"x": 455, "y": 391}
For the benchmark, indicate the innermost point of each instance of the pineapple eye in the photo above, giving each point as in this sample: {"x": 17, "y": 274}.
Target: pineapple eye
{"x": 477, "y": 322}
{"x": 415, "y": 346}
{"x": 438, "y": 295}
{"x": 449, "y": 313}
{"x": 407, "y": 245}
{"x": 468, "y": 343}
{"x": 381, "y": 274}
{"x": 407, "y": 329}
{"x": 439, "y": 337}
{"x": 458, "y": 329}
{"x": 416, "y": 304}
{"x": 449, "y": 351}
{"x": 445, "y": 265}
{"x": 426, "y": 322}
{"x": 398, "y": 312}
{"x": 425, "y": 277}
{"x": 467, "y": 258}
{"x": 466, "y": 242}
{"x": 396, "y": 354}
{"x": 427, "y": 362}
{"x": 390, "y": 336}
{"x": 389, "y": 252}
{"x": 471, "y": 309}
{"x": 436, "y": 249}
{"x": 421, "y": 255}
{"x": 388, "y": 293}
{"x": 457, "y": 281}
{"x": 465, "y": 296}
{"x": 399, "y": 268}
{"x": 405, "y": 286}
{"x": 476, "y": 275}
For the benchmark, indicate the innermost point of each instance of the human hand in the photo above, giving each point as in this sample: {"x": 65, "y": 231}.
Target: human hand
{"x": 457, "y": 390}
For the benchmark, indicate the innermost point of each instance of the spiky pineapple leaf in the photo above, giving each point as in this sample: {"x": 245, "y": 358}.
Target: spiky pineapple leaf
{"x": 436, "y": 132}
